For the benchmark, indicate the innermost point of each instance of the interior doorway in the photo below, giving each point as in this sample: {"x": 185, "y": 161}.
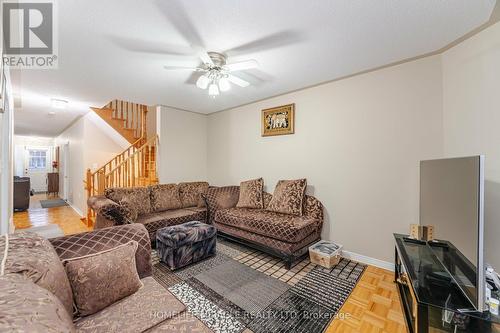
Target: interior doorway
{"x": 37, "y": 163}
{"x": 64, "y": 171}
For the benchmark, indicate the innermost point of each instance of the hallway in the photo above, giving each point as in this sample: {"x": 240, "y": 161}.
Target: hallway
{"x": 67, "y": 219}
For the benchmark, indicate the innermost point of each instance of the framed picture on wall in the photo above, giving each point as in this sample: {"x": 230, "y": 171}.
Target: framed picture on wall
{"x": 279, "y": 120}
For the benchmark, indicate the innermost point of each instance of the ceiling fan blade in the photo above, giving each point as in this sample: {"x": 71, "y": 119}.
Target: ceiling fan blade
{"x": 150, "y": 46}
{"x": 194, "y": 69}
{"x": 177, "y": 16}
{"x": 242, "y": 65}
{"x": 273, "y": 41}
{"x": 205, "y": 57}
{"x": 237, "y": 81}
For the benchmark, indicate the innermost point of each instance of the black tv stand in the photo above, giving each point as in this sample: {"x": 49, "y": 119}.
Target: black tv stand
{"x": 413, "y": 240}
{"x": 431, "y": 300}
{"x": 436, "y": 243}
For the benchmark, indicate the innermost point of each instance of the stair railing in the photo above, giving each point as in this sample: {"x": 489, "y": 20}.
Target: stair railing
{"x": 133, "y": 167}
{"x": 133, "y": 115}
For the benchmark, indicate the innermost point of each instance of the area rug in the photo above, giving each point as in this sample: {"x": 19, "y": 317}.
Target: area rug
{"x": 46, "y": 231}
{"x": 242, "y": 289}
{"x": 245, "y": 287}
{"x": 53, "y": 203}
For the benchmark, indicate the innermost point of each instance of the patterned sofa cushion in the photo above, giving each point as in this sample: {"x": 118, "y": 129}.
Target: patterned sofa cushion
{"x": 109, "y": 213}
{"x": 34, "y": 257}
{"x": 288, "y": 197}
{"x": 285, "y": 227}
{"x": 26, "y": 307}
{"x": 86, "y": 243}
{"x": 90, "y": 278}
{"x": 128, "y": 210}
{"x": 191, "y": 193}
{"x": 148, "y": 307}
{"x": 158, "y": 220}
{"x": 251, "y": 194}
{"x": 275, "y": 244}
{"x": 220, "y": 198}
{"x": 165, "y": 197}
{"x": 140, "y": 196}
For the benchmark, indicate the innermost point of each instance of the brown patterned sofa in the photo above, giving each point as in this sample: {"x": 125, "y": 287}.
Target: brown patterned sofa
{"x": 36, "y": 295}
{"x": 282, "y": 235}
{"x": 155, "y": 206}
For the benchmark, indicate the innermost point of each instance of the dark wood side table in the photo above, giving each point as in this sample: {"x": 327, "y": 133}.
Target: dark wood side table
{"x": 53, "y": 183}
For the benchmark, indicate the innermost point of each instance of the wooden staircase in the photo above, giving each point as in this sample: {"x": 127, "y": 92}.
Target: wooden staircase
{"x": 136, "y": 165}
{"x": 128, "y": 119}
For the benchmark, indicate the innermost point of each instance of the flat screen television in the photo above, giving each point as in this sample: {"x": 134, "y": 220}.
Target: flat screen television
{"x": 452, "y": 200}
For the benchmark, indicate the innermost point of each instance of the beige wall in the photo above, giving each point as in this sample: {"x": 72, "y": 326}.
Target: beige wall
{"x": 183, "y": 145}
{"x": 358, "y": 142}
{"x": 471, "y": 113}
{"x": 74, "y": 136}
{"x": 6, "y": 155}
{"x": 91, "y": 144}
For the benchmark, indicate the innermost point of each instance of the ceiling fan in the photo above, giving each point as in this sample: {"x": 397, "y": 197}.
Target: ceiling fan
{"x": 217, "y": 74}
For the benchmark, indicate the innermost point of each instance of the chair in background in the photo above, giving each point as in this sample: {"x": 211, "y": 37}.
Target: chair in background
{"x": 22, "y": 187}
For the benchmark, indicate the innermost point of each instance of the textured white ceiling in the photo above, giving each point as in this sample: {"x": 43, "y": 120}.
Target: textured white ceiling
{"x": 117, "y": 48}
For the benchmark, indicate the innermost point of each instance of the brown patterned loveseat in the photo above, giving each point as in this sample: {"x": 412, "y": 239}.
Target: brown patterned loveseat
{"x": 36, "y": 295}
{"x": 155, "y": 206}
{"x": 283, "y": 235}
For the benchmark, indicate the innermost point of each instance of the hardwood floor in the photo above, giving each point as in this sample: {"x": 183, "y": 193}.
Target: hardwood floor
{"x": 67, "y": 219}
{"x": 372, "y": 307}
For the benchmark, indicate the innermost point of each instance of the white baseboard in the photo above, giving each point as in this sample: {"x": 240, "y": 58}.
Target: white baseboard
{"x": 79, "y": 212}
{"x": 368, "y": 260}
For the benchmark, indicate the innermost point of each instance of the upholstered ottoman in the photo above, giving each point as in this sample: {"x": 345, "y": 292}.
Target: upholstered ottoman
{"x": 186, "y": 243}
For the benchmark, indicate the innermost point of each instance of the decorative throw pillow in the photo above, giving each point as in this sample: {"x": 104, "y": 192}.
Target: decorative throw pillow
{"x": 27, "y": 307}
{"x": 165, "y": 197}
{"x": 98, "y": 280}
{"x": 114, "y": 212}
{"x": 139, "y": 196}
{"x": 34, "y": 257}
{"x": 128, "y": 210}
{"x": 251, "y": 194}
{"x": 288, "y": 197}
{"x": 190, "y": 193}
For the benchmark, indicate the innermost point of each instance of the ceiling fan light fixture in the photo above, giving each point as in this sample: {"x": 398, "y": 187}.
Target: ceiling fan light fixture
{"x": 224, "y": 84}
{"x": 202, "y": 82}
{"x": 213, "y": 90}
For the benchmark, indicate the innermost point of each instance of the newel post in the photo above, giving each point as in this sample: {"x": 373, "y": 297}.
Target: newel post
{"x": 88, "y": 187}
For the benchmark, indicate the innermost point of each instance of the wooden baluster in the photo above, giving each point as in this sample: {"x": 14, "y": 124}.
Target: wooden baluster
{"x": 140, "y": 163}
{"x": 119, "y": 176}
{"x": 89, "y": 194}
{"x": 145, "y": 111}
{"x": 132, "y": 118}
{"x": 127, "y": 173}
{"x": 137, "y": 132}
{"x": 149, "y": 164}
{"x": 100, "y": 182}
{"x": 133, "y": 170}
